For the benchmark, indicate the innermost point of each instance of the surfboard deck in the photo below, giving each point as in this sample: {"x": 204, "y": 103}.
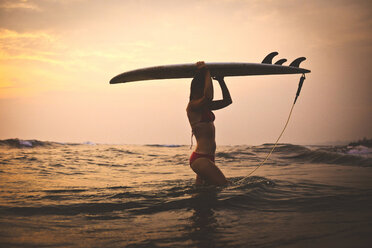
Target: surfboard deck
{"x": 216, "y": 69}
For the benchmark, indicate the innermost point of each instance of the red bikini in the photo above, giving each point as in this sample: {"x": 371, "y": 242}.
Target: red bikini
{"x": 196, "y": 155}
{"x": 207, "y": 116}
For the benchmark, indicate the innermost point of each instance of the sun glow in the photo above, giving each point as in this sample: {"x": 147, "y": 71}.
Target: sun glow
{"x": 61, "y": 54}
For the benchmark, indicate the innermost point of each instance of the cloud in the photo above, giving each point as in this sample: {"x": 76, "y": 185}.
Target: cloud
{"x": 20, "y": 4}
{"x": 48, "y": 48}
{"x": 38, "y": 46}
{"x": 4, "y": 33}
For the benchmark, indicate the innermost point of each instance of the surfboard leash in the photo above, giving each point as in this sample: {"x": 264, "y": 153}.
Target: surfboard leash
{"x": 300, "y": 83}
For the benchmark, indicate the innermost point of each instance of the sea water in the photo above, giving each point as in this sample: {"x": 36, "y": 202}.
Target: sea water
{"x": 87, "y": 195}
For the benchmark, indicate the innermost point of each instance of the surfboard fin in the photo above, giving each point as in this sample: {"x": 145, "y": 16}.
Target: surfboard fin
{"x": 280, "y": 61}
{"x": 269, "y": 58}
{"x": 297, "y": 62}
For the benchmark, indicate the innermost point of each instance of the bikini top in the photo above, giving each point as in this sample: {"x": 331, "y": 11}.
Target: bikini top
{"x": 207, "y": 116}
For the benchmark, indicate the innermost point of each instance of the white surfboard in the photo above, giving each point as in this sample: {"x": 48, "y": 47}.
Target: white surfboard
{"x": 216, "y": 69}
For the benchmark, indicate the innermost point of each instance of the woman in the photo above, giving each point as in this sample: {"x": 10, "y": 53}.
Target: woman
{"x": 201, "y": 117}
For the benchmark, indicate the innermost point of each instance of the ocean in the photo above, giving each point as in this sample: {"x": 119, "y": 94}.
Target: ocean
{"x": 95, "y": 195}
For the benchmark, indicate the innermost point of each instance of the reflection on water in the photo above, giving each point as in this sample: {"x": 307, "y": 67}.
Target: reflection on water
{"x": 203, "y": 223}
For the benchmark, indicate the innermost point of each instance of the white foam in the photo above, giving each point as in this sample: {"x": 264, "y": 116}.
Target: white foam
{"x": 25, "y": 143}
{"x": 359, "y": 150}
{"x": 89, "y": 143}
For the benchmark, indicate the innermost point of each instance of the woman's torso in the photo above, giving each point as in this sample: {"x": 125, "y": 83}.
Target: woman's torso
{"x": 203, "y": 128}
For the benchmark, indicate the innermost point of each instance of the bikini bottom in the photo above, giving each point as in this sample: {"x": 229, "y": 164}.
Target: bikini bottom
{"x": 196, "y": 155}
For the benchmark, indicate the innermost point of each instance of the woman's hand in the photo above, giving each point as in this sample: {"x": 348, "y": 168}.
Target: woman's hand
{"x": 200, "y": 64}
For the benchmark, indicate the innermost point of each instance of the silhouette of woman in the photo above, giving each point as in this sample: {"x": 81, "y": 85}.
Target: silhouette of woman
{"x": 201, "y": 118}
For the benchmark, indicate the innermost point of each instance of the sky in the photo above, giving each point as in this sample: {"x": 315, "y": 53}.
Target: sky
{"x": 57, "y": 57}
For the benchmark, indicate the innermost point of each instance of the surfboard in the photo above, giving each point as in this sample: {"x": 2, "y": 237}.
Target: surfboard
{"x": 266, "y": 67}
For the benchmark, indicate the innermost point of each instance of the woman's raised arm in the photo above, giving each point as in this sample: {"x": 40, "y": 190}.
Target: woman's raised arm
{"x": 207, "y": 97}
{"x": 208, "y": 85}
{"x": 226, "y": 98}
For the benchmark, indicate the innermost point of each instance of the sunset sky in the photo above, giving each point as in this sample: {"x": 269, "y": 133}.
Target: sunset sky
{"x": 57, "y": 57}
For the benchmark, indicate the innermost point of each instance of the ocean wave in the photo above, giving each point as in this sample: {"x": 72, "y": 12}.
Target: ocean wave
{"x": 329, "y": 157}
{"x": 256, "y": 193}
{"x": 172, "y": 195}
{"x": 160, "y": 145}
{"x": 359, "y": 150}
{"x": 89, "y": 143}
{"x": 281, "y": 147}
{"x": 226, "y": 155}
{"x": 250, "y": 182}
{"x": 19, "y": 143}
{"x": 69, "y": 209}
{"x": 117, "y": 150}
{"x": 347, "y": 155}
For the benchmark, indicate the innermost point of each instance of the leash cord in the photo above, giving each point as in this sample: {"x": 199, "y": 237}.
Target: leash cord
{"x": 276, "y": 143}
{"x": 285, "y": 126}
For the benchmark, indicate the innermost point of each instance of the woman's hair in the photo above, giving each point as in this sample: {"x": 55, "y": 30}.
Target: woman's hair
{"x": 197, "y": 83}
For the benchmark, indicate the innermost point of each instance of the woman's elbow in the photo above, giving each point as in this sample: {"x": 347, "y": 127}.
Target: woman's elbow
{"x": 208, "y": 98}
